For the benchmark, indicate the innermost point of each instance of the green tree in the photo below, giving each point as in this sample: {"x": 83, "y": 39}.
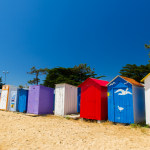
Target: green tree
{"x": 148, "y": 47}
{"x": 1, "y": 84}
{"x": 36, "y": 72}
{"x": 73, "y": 76}
{"x": 135, "y": 72}
{"x": 85, "y": 71}
{"x": 20, "y": 86}
{"x": 25, "y": 86}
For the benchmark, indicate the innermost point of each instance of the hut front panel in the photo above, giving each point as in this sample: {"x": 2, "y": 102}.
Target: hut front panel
{"x": 138, "y": 103}
{"x": 23, "y": 100}
{"x": 123, "y": 106}
{"x": 13, "y": 99}
{"x": 70, "y": 102}
{"x": 147, "y": 99}
{"x": 90, "y": 101}
{"x": 59, "y": 100}
{"x": 4, "y": 99}
{"x": 33, "y": 99}
{"x": 120, "y": 101}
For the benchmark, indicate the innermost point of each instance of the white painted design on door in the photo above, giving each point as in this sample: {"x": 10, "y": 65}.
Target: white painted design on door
{"x": 123, "y": 92}
{"x": 120, "y": 108}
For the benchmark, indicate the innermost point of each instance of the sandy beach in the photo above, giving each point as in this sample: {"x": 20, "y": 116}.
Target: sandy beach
{"x": 22, "y": 132}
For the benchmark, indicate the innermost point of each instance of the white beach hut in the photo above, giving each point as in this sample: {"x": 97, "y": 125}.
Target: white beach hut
{"x": 65, "y": 99}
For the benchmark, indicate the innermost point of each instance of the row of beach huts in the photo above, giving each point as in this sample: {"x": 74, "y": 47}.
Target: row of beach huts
{"x": 122, "y": 100}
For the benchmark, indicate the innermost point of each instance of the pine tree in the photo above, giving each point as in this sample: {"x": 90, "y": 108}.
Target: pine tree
{"x": 36, "y": 72}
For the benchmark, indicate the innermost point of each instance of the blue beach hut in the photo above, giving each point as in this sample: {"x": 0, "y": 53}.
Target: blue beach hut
{"x": 126, "y": 100}
{"x": 23, "y": 100}
{"x": 78, "y": 99}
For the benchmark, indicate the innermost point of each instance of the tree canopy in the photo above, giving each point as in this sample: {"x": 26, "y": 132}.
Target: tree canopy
{"x": 1, "y": 84}
{"x": 73, "y": 76}
{"x": 36, "y": 72}
{"x": 147, "y": 46}
{"x": 135, "y": 72}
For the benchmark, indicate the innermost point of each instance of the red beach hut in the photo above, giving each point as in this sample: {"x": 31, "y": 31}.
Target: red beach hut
{"x": 93, "y": 104}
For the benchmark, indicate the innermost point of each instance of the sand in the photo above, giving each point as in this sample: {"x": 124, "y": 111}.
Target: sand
{"x": 21, "y": 132}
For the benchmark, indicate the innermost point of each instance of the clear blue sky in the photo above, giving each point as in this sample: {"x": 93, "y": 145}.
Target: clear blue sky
{"x": 49, "y": 33}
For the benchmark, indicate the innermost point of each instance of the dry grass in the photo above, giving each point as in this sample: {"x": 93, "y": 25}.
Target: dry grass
{"x": 22, "y": 132}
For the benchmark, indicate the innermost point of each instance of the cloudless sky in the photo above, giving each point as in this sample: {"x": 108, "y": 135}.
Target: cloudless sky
{"x": 105, "y": 34}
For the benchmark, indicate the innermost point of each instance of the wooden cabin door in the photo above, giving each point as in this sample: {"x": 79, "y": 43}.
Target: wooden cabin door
{"x": 122, "y": 105}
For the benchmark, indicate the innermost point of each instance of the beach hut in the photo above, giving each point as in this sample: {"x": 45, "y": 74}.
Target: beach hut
{"x": 126, "y": 100}
{"x": 65, "y": 99}
{"x": 78, "y": 99}
{"x": 146, "y": 81}
{"x": 23, "y": 100}
{"x": 93, "y": 104}
{"x": 4, "y": 103}
{"x": 13, "y": 98}
{"x": 40, "y": 100}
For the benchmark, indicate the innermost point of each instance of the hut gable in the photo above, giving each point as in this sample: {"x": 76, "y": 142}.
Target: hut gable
{"x": 100, "y": 82}
{"x": 129, "y": 80}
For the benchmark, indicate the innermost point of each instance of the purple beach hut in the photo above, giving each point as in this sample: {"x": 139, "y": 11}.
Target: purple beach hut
{"x": 40, "y": 100}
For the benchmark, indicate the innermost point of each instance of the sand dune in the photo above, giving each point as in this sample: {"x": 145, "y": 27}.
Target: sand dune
{"x": 21, "y": 132}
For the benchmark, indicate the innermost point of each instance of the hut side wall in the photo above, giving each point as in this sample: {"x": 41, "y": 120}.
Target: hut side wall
{"x": 147, "y": 99}
{"x": 104, "y": 103}
{"x": 78, "y": 99}
{"x": 46, "y": 100}
{"x": 70, "y": 104}
{"x": 138, "y": 103}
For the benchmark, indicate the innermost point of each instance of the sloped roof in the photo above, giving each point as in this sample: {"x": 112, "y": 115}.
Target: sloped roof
{"x": 100, "y": 82}
{"x": 132, "y": 81}
{"x": 145, "y": 77}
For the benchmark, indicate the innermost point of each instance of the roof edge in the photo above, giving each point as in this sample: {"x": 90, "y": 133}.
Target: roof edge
{"x": 112, "y": 80}
{"x": 145, "y": 77}
{"x": 123, "y": 79}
